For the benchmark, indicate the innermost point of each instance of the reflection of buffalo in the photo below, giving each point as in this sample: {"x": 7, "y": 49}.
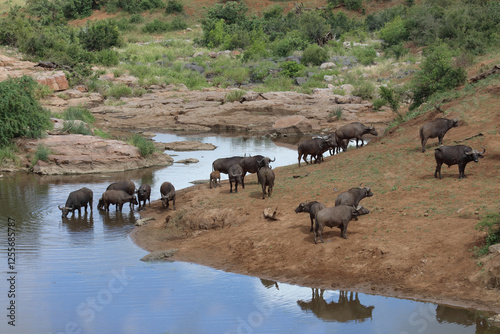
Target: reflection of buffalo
{"x": 269, "y": 284}
{"x": 462, "y": 317}
{"x": 348, "y": 308}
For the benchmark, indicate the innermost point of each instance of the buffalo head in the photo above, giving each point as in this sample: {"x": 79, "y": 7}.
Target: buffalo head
{"x": 474, "y": 154}
{"x": 65, "y": 210}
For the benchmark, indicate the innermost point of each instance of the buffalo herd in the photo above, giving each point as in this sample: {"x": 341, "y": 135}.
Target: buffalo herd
{"x": 347, "y": 205}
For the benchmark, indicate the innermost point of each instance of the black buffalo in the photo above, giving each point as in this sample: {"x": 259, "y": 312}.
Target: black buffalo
{"x": 353, "y": 196}
{"x": 252, "y": 164}
{"x": 354, "y": 131}
{"x": 143, "y": 194}
{"x": 266, "y": 179}
{"x": 436, "y": 128}
{"x": 222, "y": 164}
{"x": 77, "y": 199}
{"x": 167, "y": 192}
{"x": 314, "y": 147}
{"x": 338, "y": 216}
{"x": 236, "y": 175}
{"x": 117, "y": 197}
{"x": 125, "y": 185}
{"x": 459, "y": 155}
{"x": 312, "y": 207}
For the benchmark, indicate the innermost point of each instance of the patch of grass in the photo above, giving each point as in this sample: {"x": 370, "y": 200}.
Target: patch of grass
{"x": 145, "y": 146}
{"x": 77, "y": 113}
{"x": 102, "y": 134}
{"x": 77, "y": 128}
{"x": 8, "y": 153}
{"x": 491, "y": 224}
{"x": 234, "y": 95}
{"x": 42, "y": 153}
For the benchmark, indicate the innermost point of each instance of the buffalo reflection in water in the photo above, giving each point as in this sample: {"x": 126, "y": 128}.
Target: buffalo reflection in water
{"x": 269, "y": 284}
{"x": 348, "y": 307}
{"x": 464, "y": 317}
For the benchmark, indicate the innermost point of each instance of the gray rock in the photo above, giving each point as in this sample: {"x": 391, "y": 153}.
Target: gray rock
{"x": 300, "y": 81}
{"x": 162, "y": 255}
{"x": 194, "y": 67}
{"x": 188, "y": 161}
{"x": 494, "y": 248}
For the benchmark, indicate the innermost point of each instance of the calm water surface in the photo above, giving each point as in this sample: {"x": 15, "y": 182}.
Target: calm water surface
{"x": 83, "y": 274}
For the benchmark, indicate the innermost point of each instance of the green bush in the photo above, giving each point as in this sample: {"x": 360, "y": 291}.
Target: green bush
{"x": 397, "y": 50}
{"x": 133, "y": 6}
{"x": 364, "y": 89}
{"x": 490, "y": 223}
{"x": 145, "y": 146}
{"x": 437, "y": 74}
{"x": 379, "y": 103}
{"x": 118, "y": 90}
{"x": 349, "y": 4}
{"x": 388, "y": 95}
{"x": 156, "y": 26}
{"x": 136, "y": 18}
{"x": 283, "y": 47}
{"x": 178, "y": 24}
{"x": 291, "y": 69}
{"x": 8, "y": 153}
{"x": 107, "y": 57}
{"x": 394, "y": 32}
{"x": 365, "y": 55}
{"x": 100, "y": 35}
{"x": 174, "y": 6}
{"x": 314, "y": 54}
{"x": 21, "y": 115}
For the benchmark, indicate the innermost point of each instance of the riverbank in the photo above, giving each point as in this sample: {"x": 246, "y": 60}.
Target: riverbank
{"x": 417, "y": 242}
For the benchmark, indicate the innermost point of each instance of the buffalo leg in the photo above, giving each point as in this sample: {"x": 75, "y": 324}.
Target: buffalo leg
{"x": 230, "y": 186}
{"x": 438, "y": 171}
{"x": 312, "y": 224}
{"x": 461, "y": 171}
{"x": 424, "y": 142}
{"x": 269, "y": 190}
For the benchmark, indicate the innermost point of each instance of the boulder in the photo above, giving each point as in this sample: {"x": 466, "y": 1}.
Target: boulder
{"x": 55, "y": 80}
{"x": 187, "y": 145}
{"x": 162, "y": 255}
{"x": 293, "y": 125}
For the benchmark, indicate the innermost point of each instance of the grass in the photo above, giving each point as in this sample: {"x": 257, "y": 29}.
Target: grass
{"x": 42, "y": 153}
{"x": 145, "y": 146}
{"x": 8, "y": 153}
{"x": 491, "y": 224}
{"x": 76, "y": 113}
{"x": 234, "y": 95}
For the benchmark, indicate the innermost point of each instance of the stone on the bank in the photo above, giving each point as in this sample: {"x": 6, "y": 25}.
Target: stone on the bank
{"x": 162, "y": 255}
{"x": 494, "y": 248}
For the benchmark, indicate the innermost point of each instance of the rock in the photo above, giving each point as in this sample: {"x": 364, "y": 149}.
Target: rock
{"x": 494, "y": 248}
{"x": 327, "y": 65}
{"x": 194, "y": 67}
{"x": 187, "y": 145}
{"x": 299, "y": 81}
{"x": 79, "y": 154}
{"x": 270, "y": 213}
{"x": 293, "y": 124}
{"x": 187, "y": 161}
{"x": 142, "y": 221}
{"x": 127, "y": 80}
{"x": 328, "y": 78}
{"x": 162, "y": 255}
{"x": 55, "y": 80}
{"x": 495, "y": 319}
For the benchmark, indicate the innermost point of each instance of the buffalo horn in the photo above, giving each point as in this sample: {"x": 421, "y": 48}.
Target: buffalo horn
{"x": 259, "y": 161}
{"x": 484, "y": 150}
{"x": 358, "y": 208}
{"x": 59, "y": 207}
{"x": 163, "y": 196}
{"x": 275, "y": 158}
{"x": 367, "y": 189}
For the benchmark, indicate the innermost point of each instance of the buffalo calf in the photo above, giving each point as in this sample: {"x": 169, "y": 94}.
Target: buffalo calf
{"x": 235, "y": 173}
{"x": 167, "y": 192}
{"x": 143, "y": 194}
{"x": 214, "y": 176}
{"x": 266, "y": 179}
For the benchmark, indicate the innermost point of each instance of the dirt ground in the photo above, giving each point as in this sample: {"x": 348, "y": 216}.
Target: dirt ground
{"x": 417, "y": 241}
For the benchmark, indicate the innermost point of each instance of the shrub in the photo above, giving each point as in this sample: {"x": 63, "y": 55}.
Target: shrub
{"x": 145, "y": 146}
{"x": 107, "y": 57}
{"x": 118, "y": 90}
{"x": 364, "y": 89}
{"x": 234, "y": 95}
{"x": 393, "y": 32}
{"x": 136, "y": 18}
{"x": 178, "y": 24}
{"x": 366, "y": 56}
{"x": 21, "y": 115}
{"x": 314, "y": 54}
{"x": 291, "y": 68}
{"x": 490, "y": 223}
{"x": 437, "y": 74}
{"x": 397, "y": 50}
{"x": 174, "y": 6}
{"x": 156, "y": 26}
{"x": 8, "y": 153}
{"x": 387, "y": 94}
{"x": 379, "y": 103}
{"x": 100, "y": 35}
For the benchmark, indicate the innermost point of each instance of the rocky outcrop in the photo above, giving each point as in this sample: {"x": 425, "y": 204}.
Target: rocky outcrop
{"x": 187, "y": 145}
{"x": 55, "y": 80}
{"x": 79, "y": 154}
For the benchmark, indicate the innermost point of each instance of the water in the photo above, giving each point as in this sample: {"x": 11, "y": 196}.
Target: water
{"x": 83, "y": 274}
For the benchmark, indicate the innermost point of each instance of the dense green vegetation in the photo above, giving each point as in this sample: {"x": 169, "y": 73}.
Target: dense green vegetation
{"x": 21, "y": 115}
{"x": 491, "y": 224}
{"x": 276, "y": 47}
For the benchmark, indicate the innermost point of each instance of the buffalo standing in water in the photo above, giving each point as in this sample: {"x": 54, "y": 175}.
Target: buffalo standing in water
{"x": 77, "y": 199}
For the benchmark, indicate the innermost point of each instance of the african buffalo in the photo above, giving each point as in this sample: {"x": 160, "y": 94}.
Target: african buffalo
{"x": 77, "y": 199}
{"x": 236, "y": 175}
{"x": 353, "y": 196}
{"x": 222, "y": 164}
{"x": 459, "y": 155}
{"x": 143, "y": 194}
{"x": 436, "y": 128}
{"x": 125, "y": 185}
{"x": 117, "y": 197}
{"x": 338, "y": 216}
{"x": 214, "y": 176}
{"x": 354, "y": 131}
{"x": 311, "y": 207}
{"x": 253, "y": 163}
{"x": 314, "y": 147}
{"x": 167, "y": 192}
{"x": 266, "y": 178}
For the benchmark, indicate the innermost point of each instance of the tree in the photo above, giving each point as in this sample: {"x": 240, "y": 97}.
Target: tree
{"x": 21, "y": 115}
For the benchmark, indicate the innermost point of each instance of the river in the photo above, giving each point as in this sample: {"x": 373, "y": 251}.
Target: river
{"x": 83, "y": 274}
